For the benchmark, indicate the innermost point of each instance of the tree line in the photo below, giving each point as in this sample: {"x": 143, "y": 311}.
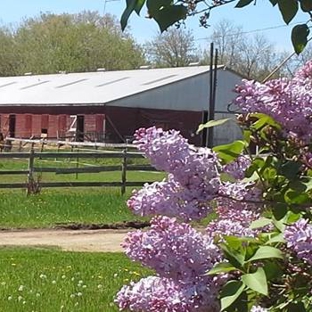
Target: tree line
{"x": 83, "y": 42}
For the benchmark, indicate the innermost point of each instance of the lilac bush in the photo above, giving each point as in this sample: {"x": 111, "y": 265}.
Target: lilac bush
{"x": 257, "y": 242}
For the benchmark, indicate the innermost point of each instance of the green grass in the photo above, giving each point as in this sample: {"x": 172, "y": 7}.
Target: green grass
{"x": 66, "y": 205}
{"x": 48, "y": 280}
{"x": 52, "y": 207}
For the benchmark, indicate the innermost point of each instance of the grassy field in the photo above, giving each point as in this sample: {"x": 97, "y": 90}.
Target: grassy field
{"x": 66, "y": 205}
{"x": 48, "y": 280}
{"x": 53, "y": 207}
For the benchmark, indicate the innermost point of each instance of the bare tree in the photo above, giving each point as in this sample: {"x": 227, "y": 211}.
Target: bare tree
{"x": 252, "y": 55}
{"x": 174, "y": 48}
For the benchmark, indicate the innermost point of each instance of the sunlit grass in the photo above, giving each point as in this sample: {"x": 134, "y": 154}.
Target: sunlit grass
{"x": 48, "y": 280}
{"x": 63, "y": 206}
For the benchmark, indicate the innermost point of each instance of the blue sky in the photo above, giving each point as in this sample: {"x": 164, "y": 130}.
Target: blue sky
{"x": 261, "y": 16}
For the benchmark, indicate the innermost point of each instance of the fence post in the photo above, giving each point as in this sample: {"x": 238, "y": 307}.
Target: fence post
{"x": 124, "y": 172}
{"x": 30, "y": 176}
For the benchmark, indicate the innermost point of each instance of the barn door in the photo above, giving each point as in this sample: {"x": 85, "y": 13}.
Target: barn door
{"x": 12, "y": 125}
{"x": 80, "y": 128}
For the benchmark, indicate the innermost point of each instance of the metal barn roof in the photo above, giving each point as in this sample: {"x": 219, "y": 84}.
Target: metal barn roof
{"x": 89, "y": 87}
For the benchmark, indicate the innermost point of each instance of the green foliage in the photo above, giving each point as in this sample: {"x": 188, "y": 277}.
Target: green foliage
{"x": 288, "y": 8}
{"x": 80, "y": 42}
{"x": 261, "y": 266}
{"x": 256, "y": 281}
{"x": 230, "y": 152}
{"x": 212, "y": 123}
{"x": 299, "y": 37}
{"x": 167, "y": 13}
{"x": 230, "y": 293}
{"x": 242, "y": 3}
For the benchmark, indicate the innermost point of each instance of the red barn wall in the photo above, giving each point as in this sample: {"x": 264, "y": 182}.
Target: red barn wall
{"x": 121, "y": 122}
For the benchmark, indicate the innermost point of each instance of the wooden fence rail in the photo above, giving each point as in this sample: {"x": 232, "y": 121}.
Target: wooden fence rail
{"x": 32, "y": 169}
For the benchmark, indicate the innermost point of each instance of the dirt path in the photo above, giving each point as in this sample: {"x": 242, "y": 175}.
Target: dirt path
{"x": 77, "y": 240}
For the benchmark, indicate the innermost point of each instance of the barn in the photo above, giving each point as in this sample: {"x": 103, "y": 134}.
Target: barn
{"x": 107, "y": 106}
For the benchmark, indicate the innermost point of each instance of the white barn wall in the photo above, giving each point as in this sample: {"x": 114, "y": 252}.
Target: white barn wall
{"x": 192, "y": 94}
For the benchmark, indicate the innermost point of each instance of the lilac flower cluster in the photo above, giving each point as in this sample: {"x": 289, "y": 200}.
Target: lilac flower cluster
{"x": 181, "y": 256}
{"x": 155, "y": 294}
{"x": 289, "y": 102}
{"x": 174, "y": 250}
{"x": 234, "y": 218}
{"x": 193, "y": 182}
{"x": 237, "y": 168}
{"x": 258, "y": 309}
{"x": 299, "y": 239}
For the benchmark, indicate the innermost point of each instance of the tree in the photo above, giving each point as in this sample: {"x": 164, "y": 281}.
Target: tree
{"x": 8, "y": 53}
{"x": 172, "y": 12}
{"x": 175, "y": 48}
{"x": 251, "y": 55}
{"x": 74, "y": 43}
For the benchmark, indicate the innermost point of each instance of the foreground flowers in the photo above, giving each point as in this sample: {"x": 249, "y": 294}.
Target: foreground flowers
{"x": 240, "y": 261}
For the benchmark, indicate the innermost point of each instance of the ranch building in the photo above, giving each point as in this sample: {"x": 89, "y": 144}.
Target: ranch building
{"x": 108, "y": 106}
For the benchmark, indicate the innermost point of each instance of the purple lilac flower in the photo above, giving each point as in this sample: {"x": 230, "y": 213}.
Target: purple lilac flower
{"x": 234, "y": 218}
{"x": 299, "y": 239}
{"x": 193, "y": 181}
{"x": 289, "y": 102}
{"x": 174, "y": 250}
{"x": 155, "y": 294}
{"x": 238, "y": 167}
{"x": 170, "y": 198}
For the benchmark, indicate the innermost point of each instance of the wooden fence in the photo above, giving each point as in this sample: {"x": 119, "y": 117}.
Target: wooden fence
{"x": 32, "y": 185}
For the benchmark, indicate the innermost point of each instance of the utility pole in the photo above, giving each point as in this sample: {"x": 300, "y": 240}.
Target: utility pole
{"x": 212, "y": 91}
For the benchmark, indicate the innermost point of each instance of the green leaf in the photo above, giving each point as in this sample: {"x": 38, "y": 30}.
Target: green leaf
{"x": 263, "y": 120}
{"x": 266, "y": 252}
{"x": 131, "y": 6}
{"x": 274, "y": 2}
{"x": 288, "y": 8}
{"x": 290, "y": 169}
{"x": 279, "y": 238}
{"x": 279, "y": 211}
{"x": 296, "y": 198}
{"x": 222, "y": 267}
{"x": 306, "y": 5}
{"x": 230, "y": 292}
{"x": 230, "y": 152}
{"x": 242, "y": 3}
{"x": 212, "y": 123}
{"x": 247, "y": 135}
{"x": 165, "y": 13}
{"x": 256, "y": 281}
{"x": 138, "y": 6}
{"x": 296, "y": 307}
{"x": 272, "y": 270}
{"x": 299, "y": 37}
{"x": 261, "y": 222}
{"x": 234, "y": 257}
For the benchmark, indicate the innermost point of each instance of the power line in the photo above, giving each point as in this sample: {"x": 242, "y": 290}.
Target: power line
{"x": 251, "y": 31}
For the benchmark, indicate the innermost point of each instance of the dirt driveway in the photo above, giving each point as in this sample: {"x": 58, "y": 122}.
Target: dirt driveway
{"x": 71, "y": 240}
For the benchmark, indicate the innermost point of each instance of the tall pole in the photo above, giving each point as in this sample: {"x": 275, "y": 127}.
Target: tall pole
{"x": 212, "y": 89}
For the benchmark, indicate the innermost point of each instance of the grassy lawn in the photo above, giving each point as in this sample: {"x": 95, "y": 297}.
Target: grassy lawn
{"x": 66, "y": 205}
{"x": 48, "y": 280}
{"x": 52, "y": 207}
